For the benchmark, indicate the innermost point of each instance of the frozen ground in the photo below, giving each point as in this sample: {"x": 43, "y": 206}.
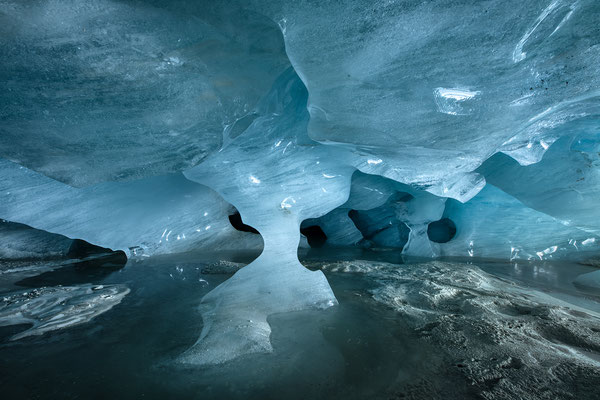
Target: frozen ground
{"x": 507, "y": 340}
{"x": 435, "y": 330}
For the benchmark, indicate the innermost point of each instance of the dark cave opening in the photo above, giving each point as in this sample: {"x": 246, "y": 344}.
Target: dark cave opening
{"x": 441, "y": 231}
{"x": 236, "y": 221}
{"x": 380, "y": 227}
{"x": 315, "y": 235}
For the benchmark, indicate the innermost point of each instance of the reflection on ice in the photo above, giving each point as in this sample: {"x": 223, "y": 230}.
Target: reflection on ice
{"x": 52, "y": 308}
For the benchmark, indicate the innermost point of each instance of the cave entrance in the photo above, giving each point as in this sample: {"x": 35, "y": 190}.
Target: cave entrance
{"x": 235, "y": 220}
{"x": 314, "y": 235}
{"x": 441, "y": 231}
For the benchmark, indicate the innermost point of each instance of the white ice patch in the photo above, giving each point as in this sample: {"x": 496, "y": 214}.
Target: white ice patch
{"x": 287, "y": 203}
{"x": 51, "y": 308}
{"x": 552, "y": 18}
{"x": 588, "y": 241}
{"x": 455, "y": 101}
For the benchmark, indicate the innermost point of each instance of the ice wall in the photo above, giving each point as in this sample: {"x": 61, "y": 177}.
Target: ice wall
{"x": 493, "y": 224}
{"x": 152, "y": 215}
{"x": 496, "y": 225}
{"x": 433, "y": 89}
{"x": 565, "y": 184}
{"x": 101, "y": 90}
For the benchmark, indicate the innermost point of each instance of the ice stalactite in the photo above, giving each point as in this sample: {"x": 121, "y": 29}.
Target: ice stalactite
{"x": 276, "y": 177}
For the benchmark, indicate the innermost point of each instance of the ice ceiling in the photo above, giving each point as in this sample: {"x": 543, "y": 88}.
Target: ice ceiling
{"x": 442, "y": 128}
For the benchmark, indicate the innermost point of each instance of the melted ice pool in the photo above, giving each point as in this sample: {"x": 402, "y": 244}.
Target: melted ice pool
{"x": 431, "y": 330}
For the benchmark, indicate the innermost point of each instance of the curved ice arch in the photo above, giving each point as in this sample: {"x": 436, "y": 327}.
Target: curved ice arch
{"x": 565, "y": 184}
{"x": 156, "y": 215}
{"x": 386, "y": 213}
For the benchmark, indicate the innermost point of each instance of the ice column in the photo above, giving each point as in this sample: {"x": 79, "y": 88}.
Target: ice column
{"x": 276, "y": 177}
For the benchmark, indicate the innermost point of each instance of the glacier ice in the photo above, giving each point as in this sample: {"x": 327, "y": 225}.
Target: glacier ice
{"x": 396, "y": 58}
{"x": 143, "y": 125}
{"x": 293, "y": 179}
{"x": 103, "y": 90}
{"x": 51, "y": 308}
{"x": 151, "y": 215}
{"x": 496, "y": 225}
{"x": 564, "y": 184}
{"x": 19, "y": 241}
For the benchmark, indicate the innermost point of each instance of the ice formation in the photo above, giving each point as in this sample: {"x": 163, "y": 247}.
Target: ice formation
{"x": 439, "y": 128}
{"x": 51, "y": 308}
{"x": 146, "y": 216}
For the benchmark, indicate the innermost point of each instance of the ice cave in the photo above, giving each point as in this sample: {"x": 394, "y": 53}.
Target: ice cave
{"x": 299, "y": 199}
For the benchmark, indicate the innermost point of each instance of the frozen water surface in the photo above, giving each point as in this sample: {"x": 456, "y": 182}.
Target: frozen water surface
{"x": 49, "y": 309}
{"x": 434, "y": 330}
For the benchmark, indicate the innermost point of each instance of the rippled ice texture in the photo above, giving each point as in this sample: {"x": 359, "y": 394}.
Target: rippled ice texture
{"x": 51, "y": 308}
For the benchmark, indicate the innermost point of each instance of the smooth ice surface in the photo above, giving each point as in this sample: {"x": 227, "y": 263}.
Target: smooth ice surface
{"x": 496, "y": 225}
{"x": 564, "y": 184}
{"x": 444, "y": 84}
{"x": 152, "y": 215}
{"x": 102, "y": 90}
{"x": 431, "y": 346}
{"x": 590, "y": 280}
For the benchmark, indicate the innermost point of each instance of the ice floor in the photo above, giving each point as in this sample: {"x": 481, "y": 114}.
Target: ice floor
{"x": 431, "y": 330}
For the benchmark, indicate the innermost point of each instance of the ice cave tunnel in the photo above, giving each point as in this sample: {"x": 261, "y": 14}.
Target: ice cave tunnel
{"x": 297, "y": 199}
